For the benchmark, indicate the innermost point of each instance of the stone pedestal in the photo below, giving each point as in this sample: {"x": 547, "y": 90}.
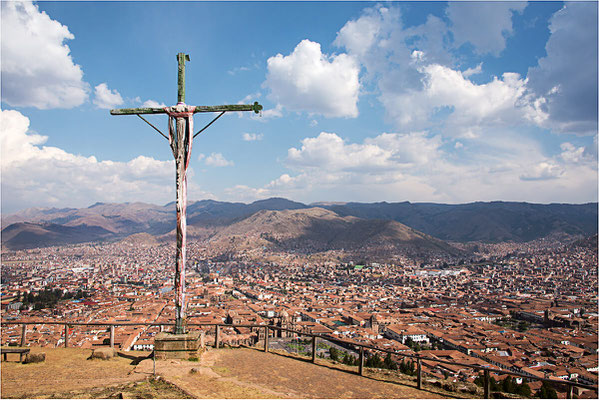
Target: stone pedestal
{"x": 172, "y": 346}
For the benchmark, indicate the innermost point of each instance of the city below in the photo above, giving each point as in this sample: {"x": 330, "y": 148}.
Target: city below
{"x": 528, "y": 307}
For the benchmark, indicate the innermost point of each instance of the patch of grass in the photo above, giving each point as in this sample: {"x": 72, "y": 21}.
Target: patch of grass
{"x": 147, "y": 389}
{"x": 196, "y": 359}
{"x": 221, "y": 370}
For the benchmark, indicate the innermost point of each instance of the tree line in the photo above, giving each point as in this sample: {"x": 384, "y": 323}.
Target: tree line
{"x": 48, "y": 298}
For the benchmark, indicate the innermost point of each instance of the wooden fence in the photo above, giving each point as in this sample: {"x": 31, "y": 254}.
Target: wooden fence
{"x": 360, "y": 347}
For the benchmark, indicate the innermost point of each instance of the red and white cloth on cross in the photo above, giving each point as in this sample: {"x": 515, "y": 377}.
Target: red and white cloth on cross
{"x": 180, "y": 130}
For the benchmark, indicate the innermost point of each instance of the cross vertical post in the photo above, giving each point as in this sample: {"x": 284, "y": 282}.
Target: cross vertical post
{"x": 180, "y": 137}
{"x": 181, "y": 58}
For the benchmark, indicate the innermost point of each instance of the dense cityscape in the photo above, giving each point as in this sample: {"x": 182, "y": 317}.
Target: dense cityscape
{"x": 529, "y": 308}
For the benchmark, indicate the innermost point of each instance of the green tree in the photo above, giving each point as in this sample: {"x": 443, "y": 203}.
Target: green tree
{"x": 388, "y": 362}
{"x": 495, "y": 387}
{"x": 522, "y": 326}
{"x": 334, "y": 354}
{"x": 508, "y": 385}
{"x": 479, "y": 380}
{"x": 374, "y": 361}
{"x": 406, "y": 367}
{"x": 403, "y": 367}
{"x": 546, "y": 392}
{"x": 523, "y": 390}
{"x": 346, "y": 359}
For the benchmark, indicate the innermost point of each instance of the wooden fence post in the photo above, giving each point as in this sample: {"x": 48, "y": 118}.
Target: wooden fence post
{"x": 23, "y": 335}
{"x": 66, "y": 335}
{"x": 419, "y": 375}
{"x": 216, "y": 336}
{"x": 266, "y": 339}
{"x": 487, "y": 385}
{"x": 570, "y": 394}
{"x": 361, "y": 361}
{"x": 112, "y": 336}
{"x": 313, "y": 349}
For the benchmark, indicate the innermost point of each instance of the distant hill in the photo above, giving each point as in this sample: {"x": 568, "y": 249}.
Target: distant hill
{"x": 121, "y": 219}
{"x": 317, "y": 229}
{"x": 487, "y": 222}
{"x": 589, "y": 242}
{"x": 25, "y": 235}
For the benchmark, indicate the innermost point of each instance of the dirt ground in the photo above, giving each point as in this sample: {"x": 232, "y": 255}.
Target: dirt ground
{"x": 64, "y": 370}
{"x": 224, "y": 373}
{"x": 249, "y": 373}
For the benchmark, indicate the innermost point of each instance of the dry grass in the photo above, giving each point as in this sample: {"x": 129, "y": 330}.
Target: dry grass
{"x": 63, "y": 371}
{"x": 147, "y": 389}
{"x": 224, "y": 373}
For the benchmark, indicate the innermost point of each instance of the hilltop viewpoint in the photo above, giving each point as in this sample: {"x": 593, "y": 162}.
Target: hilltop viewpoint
{"x": 220, "y": 373}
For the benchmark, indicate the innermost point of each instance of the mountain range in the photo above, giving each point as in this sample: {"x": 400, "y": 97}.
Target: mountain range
{"x": 284, "y": 224}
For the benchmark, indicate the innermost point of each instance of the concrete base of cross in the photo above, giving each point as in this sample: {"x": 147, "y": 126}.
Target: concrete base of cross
{"x": 168, "y": 346}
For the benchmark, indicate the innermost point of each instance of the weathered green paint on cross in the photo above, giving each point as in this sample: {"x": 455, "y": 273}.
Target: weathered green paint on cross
{"x": 181, "y": 58}
{"x": 180, "y": 138}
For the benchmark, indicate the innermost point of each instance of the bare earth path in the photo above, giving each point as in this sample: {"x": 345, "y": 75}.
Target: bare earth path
{"x": 249, "y": 373}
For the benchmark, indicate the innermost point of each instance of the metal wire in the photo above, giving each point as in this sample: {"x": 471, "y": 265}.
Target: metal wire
{"x": 157, "y": 130}
{"x": 211, "y": 122}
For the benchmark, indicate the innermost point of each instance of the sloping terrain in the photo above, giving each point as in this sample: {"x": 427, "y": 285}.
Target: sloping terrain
{"x": 120, "y": 219}
{"x": 316, "y": 229}
{"x": 486, "y": 222}
{"x": 223, "y": 373}
{"x": 27, "y": 235}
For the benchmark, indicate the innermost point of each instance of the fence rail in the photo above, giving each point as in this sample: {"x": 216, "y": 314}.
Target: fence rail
{"x": 267, "y": 328}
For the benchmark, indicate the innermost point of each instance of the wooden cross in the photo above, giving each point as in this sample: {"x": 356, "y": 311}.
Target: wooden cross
{"x": 180, "y": 124}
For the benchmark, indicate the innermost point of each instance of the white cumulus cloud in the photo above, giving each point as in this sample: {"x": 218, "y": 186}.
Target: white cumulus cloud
{"x": 419, "y": 166}
{"x": 106, "y": 98}
{"x": 567, "y": 76}
{"x": 329, "y": 152}
{"x": 153, "y": 104}
{"x": 218, "y": 160}
{"x": 251, "y": 137}
{"x": 462, "y": 104}
{"x": 308, "y": 80}
{"x": 37, "y": 67}
{"x": 483, "y": 24}
{"x": 34, "y": 175}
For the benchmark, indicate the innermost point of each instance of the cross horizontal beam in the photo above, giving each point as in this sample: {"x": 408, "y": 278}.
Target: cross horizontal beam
{"x": 199, "y": 109}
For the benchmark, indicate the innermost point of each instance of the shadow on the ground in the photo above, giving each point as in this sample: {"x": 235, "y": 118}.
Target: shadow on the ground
{"x": 136, "y": 358}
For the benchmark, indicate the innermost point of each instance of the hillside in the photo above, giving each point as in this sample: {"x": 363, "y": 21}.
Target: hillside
{"x": 24, "y": 235}
{"x": 317, "y": 230}
{"x": 486, "y": 222}
{"x": 121, "y": 219}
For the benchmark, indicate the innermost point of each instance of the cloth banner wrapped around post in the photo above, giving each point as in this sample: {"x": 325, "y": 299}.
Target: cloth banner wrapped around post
{"x": 180, "y": 130}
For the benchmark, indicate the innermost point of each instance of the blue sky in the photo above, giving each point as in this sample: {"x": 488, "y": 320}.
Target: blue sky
{"x": 363, "y": 101}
